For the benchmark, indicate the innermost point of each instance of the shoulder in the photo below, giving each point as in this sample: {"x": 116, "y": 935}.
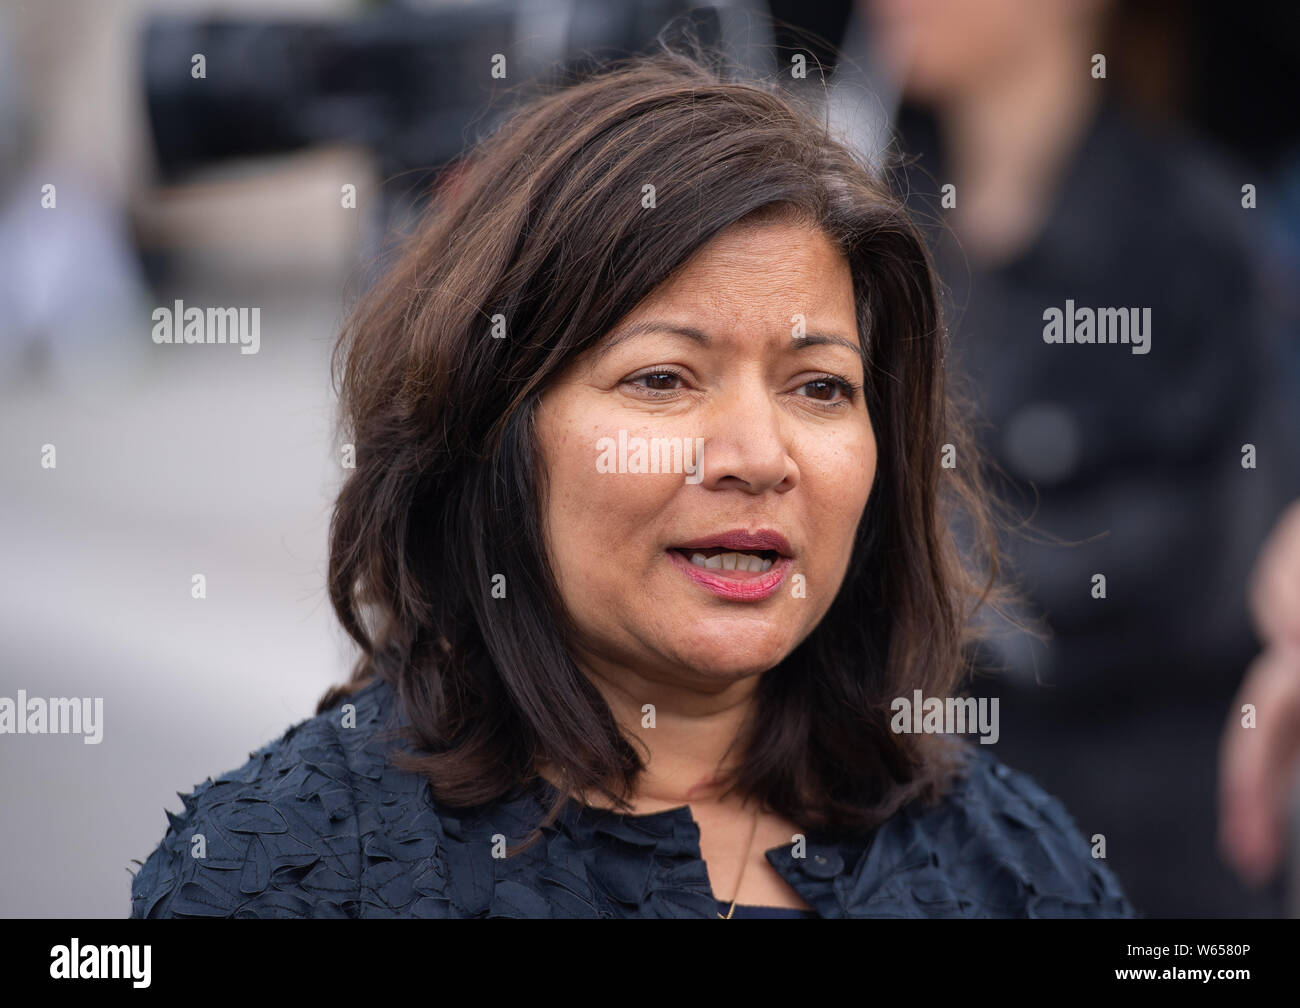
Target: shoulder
{"x": 996, "y": 845}
{"x": 279, "y": 836}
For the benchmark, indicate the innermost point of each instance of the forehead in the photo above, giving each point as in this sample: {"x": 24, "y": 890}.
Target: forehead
{"x": 756, "y": 281}
{"x": 761, "y": 271}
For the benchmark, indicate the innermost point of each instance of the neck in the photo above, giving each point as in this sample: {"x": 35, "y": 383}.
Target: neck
{"x": 1008, "y": 136}
{"x": 686, "y": 750}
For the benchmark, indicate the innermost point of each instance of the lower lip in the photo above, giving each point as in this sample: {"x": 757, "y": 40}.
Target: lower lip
{"x": 735, "y": 585}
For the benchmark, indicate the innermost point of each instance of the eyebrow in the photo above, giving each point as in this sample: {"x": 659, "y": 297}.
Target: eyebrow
{"x": 808, "y": 339}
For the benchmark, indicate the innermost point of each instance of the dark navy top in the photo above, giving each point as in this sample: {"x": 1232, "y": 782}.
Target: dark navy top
{"x": 320, "y": 824}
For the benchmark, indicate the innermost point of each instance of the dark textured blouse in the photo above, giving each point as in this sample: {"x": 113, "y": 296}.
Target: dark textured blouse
{"x": 318, "y": 824}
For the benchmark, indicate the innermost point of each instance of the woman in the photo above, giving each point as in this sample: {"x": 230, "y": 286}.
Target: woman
{"x": 646, "y": 549}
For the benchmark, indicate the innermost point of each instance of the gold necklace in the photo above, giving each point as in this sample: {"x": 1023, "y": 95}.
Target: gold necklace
{"x": 743, "y": 865}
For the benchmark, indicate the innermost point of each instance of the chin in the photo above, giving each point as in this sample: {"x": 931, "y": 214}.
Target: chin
{"x": 732, "y": 660}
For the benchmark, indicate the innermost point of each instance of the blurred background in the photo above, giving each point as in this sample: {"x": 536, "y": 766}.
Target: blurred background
{"x": 260, "y": 153}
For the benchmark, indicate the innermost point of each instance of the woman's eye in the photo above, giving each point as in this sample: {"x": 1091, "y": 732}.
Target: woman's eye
{"x": 660, "y": 381}
{"x": 657, "y": 382}
{"x": 829, "y": 386}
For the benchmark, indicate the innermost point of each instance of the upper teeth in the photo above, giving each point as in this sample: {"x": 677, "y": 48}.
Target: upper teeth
{"x": 732, "y": 561}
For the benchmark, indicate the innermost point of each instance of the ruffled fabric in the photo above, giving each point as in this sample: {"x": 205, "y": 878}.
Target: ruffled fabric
{"x": 1000, "y": 846}
{"x": 318, "y": 824}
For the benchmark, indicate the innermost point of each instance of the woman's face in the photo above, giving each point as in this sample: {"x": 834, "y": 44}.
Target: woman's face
{"x": 785, "y": 451}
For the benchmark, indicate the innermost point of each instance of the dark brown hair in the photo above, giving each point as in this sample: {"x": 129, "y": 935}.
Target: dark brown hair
{"x": 542, "y": 223}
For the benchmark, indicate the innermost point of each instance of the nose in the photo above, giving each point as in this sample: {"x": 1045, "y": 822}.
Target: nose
{"x": 746, "y": 442}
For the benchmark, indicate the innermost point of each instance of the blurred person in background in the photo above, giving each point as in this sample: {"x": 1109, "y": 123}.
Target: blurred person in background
{"x": 1259, "y": 766}
{"x": 69, "y": 277}
{"x": 1127, "y": 465}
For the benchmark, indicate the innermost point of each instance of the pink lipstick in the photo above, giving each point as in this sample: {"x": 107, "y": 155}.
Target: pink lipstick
{"x": 737, "y": 584}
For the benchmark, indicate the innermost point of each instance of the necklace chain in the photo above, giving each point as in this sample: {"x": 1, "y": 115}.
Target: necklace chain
{"x": 743, "y": 865}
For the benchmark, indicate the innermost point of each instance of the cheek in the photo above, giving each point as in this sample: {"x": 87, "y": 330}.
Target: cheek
{"x": 844, "y": 465}
{"x": 601, "y": 522}
{"x": 838, "y": 479}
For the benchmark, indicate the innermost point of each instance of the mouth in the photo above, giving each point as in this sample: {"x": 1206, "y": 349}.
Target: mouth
{"x": 719, "y": 558}
{"x": 739, "y": 566}
{"x": 766, "y": 544}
